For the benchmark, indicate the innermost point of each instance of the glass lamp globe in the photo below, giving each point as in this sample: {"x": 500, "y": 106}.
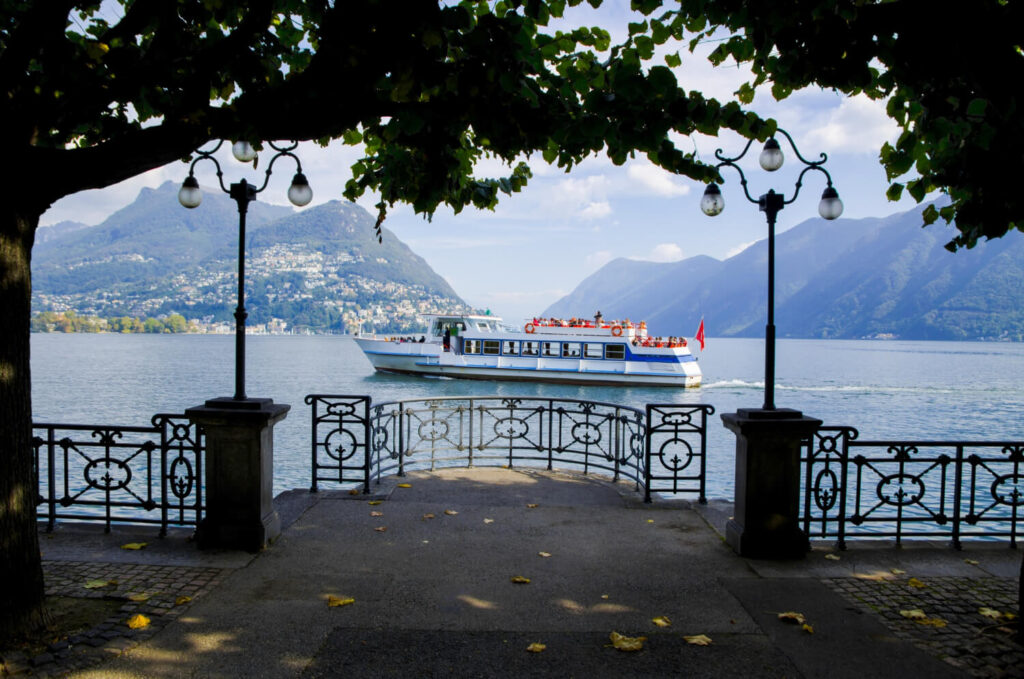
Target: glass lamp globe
{"x": 830, "y": 206}
{"x": 299, "y": 193}
{"x": 190, "y": 196}
{"x": 771, "y": 158}
{"x": 243, "y": 151}
{"x": 712, "y": 202}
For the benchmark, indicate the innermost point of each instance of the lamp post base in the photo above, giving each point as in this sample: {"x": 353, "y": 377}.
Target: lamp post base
{"x": 239, "y": 472}
{"x": 766, "y": 524}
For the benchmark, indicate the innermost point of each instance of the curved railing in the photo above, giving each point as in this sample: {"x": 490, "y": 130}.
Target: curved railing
{"x": 661, "y": 449}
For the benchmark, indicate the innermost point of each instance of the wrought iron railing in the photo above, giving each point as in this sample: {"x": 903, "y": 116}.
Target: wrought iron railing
{"x": 661, "y": 450}
{"x": 124, "y": 474}
{"x": 921, "y": 489}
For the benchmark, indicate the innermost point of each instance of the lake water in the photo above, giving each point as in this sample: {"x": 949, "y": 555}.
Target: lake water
{"x": 887, "y": 389}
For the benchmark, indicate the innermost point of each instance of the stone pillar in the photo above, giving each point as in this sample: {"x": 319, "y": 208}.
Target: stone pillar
{"x": 239, "y": 472}
{"x": 765, "y": 524}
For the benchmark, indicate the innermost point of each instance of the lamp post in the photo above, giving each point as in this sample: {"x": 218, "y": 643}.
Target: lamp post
{"x": 244, "y": 193}
{"x": 771, "y": 204}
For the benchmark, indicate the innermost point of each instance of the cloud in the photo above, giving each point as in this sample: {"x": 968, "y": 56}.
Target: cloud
{"x": 651, "y": 179}
{"x": 857, "y": 125}
{"x": 596, "y": 260}
{"x": 665, "y": 252}
{"x": 595, "y": 210}
{"x": 739, "y": 248}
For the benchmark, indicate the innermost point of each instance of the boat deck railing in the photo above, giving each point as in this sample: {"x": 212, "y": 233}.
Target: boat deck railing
{"x": 661, "y": 449}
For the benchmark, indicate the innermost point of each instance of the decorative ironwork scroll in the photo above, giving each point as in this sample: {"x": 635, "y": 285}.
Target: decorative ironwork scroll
{"x": 492, "y": 431}
{"x": 903, "y": 489}
{"x": 113, "y": 473}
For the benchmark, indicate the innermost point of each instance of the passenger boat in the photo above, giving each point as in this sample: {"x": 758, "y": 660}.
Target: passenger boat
{"x": 574, "y": 351}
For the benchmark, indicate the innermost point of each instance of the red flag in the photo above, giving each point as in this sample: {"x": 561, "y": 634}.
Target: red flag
{"x": 700, "y": 334}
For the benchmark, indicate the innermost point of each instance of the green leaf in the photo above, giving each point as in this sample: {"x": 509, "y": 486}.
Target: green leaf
{"x": 673, "y": 60}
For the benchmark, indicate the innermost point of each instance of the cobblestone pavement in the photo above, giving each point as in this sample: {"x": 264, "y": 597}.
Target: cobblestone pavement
{"x": 982, "y": 646}
{"x": 165, "y": 592}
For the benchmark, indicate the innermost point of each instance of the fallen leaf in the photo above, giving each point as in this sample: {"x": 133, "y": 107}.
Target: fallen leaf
{"x": 139, "y": 597}
{"x": 450, "y": 512}
{"x": 990, "y": 613}
{"x": 134, "y": 545}
{"x": 932, "y": 622}
{"x": 520, "y": 580}
{"x": 544, "y": 554}
{"x": 832, "y": 557}
{"x": 138, "y": 621}
{"x": 624, "y": 643}
{"x": 354, "y": 491}
{"x": 428, "y": 516}
{"x": 99, "y": 584}
{"x": 1009, "y": 616}
{"x": 405, "y": 485}
{"x": 898, "y": 571}
{"x": 182, "y": 600}
{"x": 807, "y": 628}
{"x": 914, "y": 582}
{"x": 334, "y": 601}
{"x": 650, "y": 520}
{"x": 536, "y": 647}
{"x": 973, "y": 562}
{"x": 532, "y": 505}
{"x": 662, "y": 621}
{"x": 374, "y": 503}
{"x": 604, "y": 596}
{"x": 793, "y": 617}
{"x": 376, "y": 513}
{"x": 488, "y": 520}
{"x": 381, "y": 529}
{"x": 698, "y": 639}
{"x": 914, "y": 614}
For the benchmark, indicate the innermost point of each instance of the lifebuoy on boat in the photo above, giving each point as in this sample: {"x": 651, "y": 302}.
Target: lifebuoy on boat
{"x": 529, "y": 328}
{"x": 617, "y": 331}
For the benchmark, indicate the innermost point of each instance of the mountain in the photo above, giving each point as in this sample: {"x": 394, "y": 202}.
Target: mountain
{"x": 321, "y": 268}
{"x": 47, "y": 233}
{"x": 851, "y": 278}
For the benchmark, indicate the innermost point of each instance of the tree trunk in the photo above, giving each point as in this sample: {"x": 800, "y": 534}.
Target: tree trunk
{"x": 21, "y": 569}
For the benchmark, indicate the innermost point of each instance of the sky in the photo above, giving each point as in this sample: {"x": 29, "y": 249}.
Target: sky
{"x": 538, "y": 245}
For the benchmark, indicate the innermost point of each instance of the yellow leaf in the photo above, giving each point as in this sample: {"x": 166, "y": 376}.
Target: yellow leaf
{"x": 141, "y": 596}
{"x": 376, "y": 513}
{"x": 650, "y": 520}
{"x": 698, "y": 639}
{"x": 1009, "y": 616}
{"x": 381, "y": 529}
{"x": 807, "y": 628}
{"x": 544, "y": 554}
{"x": 334, "y": 601}
{"x": 536, "y": 647}
{"x": 134, "y": 545}
{"x": 138, "y": 621}
{"x": 428, "y": 516}
{"x": 832, "y": 557}
{"x": 624, "y": 643}
{"x": 353, "y": 492}
{"x": 793, "y": 617}
{"x": 914, "y": 614}
{"x": 914, "y": 582}
{"x": 662, "y": 621}
{"x": 405, "y": 485}
{"x": 374, "y": 503}
{"x": 973, "y": 562}
{"x": 520, "y": 580}
{"x": 604, "y": 596}
{"x": 450, "y": 512}
{"x": 488, "y": 520}
{"x": 532, "y": 505}
{"x": 990, "y": 613}
{"x": 898, "y": 571}
{"x": 99, "y": 584}
{"x": 182, "y": 600}
{"x": 932, "y": 622}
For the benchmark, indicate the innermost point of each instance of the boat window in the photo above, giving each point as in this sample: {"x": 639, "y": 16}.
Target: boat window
{"x": 471, "y": 346}
{"x": 593, "y": 350}
{"x": 510, "y": 348}
{"x": 550, "y": 348}
{"x": 615, "y": 352}
{"x": 571, "y": 350}
{"x": 491, "y": 347}
{"x": 531, "y": 348}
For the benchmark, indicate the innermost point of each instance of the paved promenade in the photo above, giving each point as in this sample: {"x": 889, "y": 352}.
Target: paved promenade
{"x": 430, "y": 569}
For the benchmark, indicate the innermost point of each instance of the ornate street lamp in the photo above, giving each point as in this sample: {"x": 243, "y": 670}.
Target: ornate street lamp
{"x": 771, "y": 203}
{"x": 244, "y": 193}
